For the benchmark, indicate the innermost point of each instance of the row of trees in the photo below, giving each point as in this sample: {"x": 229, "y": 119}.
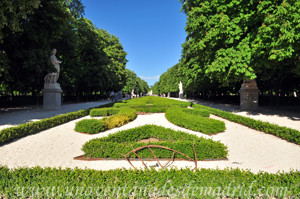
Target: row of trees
{"x": 229, "y": 41}
{"x": 135, "y": 84}
{"x": 93, "y": 60}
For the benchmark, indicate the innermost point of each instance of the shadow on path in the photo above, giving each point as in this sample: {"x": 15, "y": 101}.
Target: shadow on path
{"x": 19, "y": 115}
{"x": 268, "y": 111}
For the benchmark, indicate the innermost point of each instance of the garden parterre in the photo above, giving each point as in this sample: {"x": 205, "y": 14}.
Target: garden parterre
{"x": 272, "y": 181}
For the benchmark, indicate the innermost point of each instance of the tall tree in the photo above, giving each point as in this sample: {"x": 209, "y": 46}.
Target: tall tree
{"x": 28, "y": 50}
{"x": 228, "y": 41}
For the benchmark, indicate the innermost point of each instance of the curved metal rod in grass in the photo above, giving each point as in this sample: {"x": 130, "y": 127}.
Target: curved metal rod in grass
{"x": 158, "y": 146}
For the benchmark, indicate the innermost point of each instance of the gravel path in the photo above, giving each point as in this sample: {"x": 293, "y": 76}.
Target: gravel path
{"x": 56, "y": 147}
{"x": 280, "y": 117}
{"x": 13, "y": 117}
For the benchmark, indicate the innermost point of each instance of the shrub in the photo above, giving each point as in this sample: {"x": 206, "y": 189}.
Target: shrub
{"x": 285, "y": 133}
{"x": 124, "y": 141}
{"x": 22, "y": 130}
{"x": 124, "y": 116}
{"x": 151, "y": 104}
{"x": 90, "y": 126}
{"x": 185, "y": 183}
{"x": 9, "y": 134}
{"x": 103, "y": 112}
{"x": 193, "y": 122}
{"x": 197, "y": 112}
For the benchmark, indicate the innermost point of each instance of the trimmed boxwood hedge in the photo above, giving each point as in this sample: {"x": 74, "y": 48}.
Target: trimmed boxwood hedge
{"x": 96, "y": 112}
{"x": 9, "y": 134}
{"x": 285, "y": 133}
{"x": 151, "y": 104}
{"x": 196, "y": 112}
{"x": 124, "y": 141}
{"x": 93, "y": 126}
{"x": 194, "y": 122}
{"x": 174, "y": 183}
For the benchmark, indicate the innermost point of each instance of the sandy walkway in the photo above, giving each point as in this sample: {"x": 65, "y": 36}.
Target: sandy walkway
{"x": 279, "y": 117}
{"x": 56, "y": 147}
{"x": 12, "y": 117}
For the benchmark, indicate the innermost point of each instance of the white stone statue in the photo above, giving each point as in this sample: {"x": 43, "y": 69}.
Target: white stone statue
{"x": 180, "y": 88}
{"x": 53, "y": 77}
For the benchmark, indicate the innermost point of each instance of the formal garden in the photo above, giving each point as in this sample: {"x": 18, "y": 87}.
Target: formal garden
{"x": 79, "y": 120}
{"x": 146, "y": 158}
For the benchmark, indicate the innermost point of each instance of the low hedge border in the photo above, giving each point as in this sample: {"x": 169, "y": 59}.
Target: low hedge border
{"x": 197, "y": 112}
{"x": 174, "y": 183}
{"x": 123, "y": 142}
{"x": 151, "y": 104}
{"x": 288, "y": 134}
{"x": 94, "y": 126}
{"x": 9, "y": 134}
{"x": 194, "y": 122}
{"x": 96, "y": 112}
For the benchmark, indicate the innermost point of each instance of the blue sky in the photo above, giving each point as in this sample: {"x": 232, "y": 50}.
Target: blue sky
{"x": 151, "y": 31}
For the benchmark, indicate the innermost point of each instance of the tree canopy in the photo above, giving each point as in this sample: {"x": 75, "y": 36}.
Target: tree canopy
{"x": 229, "y": 41}
{"x": 93, "y": 60}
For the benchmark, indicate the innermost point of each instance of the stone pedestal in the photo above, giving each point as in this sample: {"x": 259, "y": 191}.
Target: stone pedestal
{"x": 181, "y": 95}
{"x": 249, "y": 96}
{"x": 52, "y": 96}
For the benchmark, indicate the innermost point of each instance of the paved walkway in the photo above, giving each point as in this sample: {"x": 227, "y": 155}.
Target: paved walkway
{"x": 12, "y": 117}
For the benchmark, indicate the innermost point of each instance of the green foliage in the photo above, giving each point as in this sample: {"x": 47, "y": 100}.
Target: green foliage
{"x": 194, "y": 122}
{"x": 9, "y": 134}
{"x": 22, "y": 130}
{"x": 93, "y": 60}
{"x": 91, "y": 126}
{"x": 123, "y": 117}
{"x": 120, "y": 117}
{"x": 151, "y": 104}
{"x": 120, "y": 183}
{"x": 134, "y": 83}
{"x": 196, "y": 112}
{"x": 12, "y": 13}
{"x": 103, "y": 112}
{"x": 28, "y": 49}
{"x": 168, "y": 81}
{"x": 228, "y": 41}
{"x": 124, "y": 141}
{"x": 285, "y": 133}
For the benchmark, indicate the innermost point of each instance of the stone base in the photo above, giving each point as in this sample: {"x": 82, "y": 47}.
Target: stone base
{"x": 249, "y": 99}
{"x": 181, "y": 95}
{"x": 249, "y": 96}
{"x": 52, "y": 99}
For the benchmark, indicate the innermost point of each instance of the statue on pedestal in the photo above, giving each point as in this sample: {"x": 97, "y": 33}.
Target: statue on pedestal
{"x": 180, "y": 90}
{"x": 52, "y": 91}
{"x": 53, "y": 77}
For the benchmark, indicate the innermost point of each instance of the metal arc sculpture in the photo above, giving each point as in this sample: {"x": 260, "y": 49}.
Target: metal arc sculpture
{"x": 162, "y": 147}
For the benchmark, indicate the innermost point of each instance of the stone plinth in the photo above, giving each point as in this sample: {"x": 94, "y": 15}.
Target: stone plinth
{"x": 181, "y": 95}
{"x": 249, "y": 96}
{"x": 52, "y": 96}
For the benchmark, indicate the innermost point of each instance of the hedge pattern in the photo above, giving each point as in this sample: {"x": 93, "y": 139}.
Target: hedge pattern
{"x": 182, "y": 183}
{"x": 151, "y": 104}
{"x": 93, "y": 126}
{"x": 285, "y": 133}
{"x": 124, "y": 141}
{"x": 90, "y": 126}
{"x": 194, "y": 122}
